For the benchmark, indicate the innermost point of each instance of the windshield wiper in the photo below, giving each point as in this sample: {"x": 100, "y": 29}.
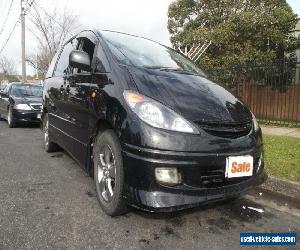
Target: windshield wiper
{"x": 29, "y": 95}
{"x": 179, "y": 70}
{"x": 157, "y": 67}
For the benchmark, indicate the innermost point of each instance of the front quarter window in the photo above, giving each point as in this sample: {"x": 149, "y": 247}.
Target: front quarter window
{"x": 52, "y": 66}
{"x": 63, "y": 61}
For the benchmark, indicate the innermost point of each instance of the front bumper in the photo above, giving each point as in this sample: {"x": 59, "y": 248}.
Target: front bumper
{"x": 203, "y": 178}
{"x": 32, "y": 116}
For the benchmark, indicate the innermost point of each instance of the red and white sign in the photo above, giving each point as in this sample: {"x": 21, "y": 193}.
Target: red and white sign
{"x": 239, "y": 166}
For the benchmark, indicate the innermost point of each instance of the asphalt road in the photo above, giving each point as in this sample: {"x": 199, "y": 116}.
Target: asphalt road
{"x": 48, "y": 202}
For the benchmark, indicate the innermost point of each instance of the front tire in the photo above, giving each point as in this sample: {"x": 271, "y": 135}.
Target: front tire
{"x": 48, "y": 144}
{"x": 109, "y": 173}
{"x": 10, "y": 118}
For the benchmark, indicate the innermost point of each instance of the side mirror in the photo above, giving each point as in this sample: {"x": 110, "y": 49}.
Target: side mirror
{"x": 80, "y": 59}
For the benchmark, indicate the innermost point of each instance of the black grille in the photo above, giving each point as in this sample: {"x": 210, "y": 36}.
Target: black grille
{"x": 214, "y": 180}
{"x": 229, "y": 130}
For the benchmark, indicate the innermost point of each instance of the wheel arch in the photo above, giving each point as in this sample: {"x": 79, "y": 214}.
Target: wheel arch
{"x": 101, "y": 126}
{"x": 10, "y": 103}
{"x": 44, "y": 112}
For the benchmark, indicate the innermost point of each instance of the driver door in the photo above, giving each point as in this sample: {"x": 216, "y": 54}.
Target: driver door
{"x": 77, "y": 93}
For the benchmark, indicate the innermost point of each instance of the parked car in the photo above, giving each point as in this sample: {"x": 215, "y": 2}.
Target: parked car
{"x": 21, "y": 103}
{"x": 148, "y": 124}
{"x": 2, "y": 87}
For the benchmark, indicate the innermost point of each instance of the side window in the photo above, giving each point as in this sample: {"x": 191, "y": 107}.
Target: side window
{"x": 62, "y": 66}
{"x": 87, "y": 46}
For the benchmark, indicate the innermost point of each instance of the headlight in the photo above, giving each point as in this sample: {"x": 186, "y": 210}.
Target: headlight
{"x": 255, "y": 123}
{"x": 156, "y": 114}
{"x": 22, "y": 107}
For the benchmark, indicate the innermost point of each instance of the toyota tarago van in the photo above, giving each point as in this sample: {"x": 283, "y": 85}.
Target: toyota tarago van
{"x": 151, "y": 128}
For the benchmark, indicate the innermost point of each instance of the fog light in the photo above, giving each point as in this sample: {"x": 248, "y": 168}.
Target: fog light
{"x": 168, "y": 176}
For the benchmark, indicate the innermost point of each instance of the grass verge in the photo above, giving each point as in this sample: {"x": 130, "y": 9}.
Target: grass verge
{"x": 282, "y": 156}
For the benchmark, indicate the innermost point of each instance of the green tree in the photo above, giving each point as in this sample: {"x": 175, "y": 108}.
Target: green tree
{"x": 240, "y": 30}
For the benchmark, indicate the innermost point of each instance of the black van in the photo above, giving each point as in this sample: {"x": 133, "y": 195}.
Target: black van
{"x": 148, "y": 124}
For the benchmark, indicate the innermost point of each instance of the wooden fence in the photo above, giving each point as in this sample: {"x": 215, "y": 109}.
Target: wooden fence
{"x": 272, "y": 103}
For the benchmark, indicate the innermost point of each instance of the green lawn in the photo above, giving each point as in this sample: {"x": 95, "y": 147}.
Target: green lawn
{"x": 282, "y": 156}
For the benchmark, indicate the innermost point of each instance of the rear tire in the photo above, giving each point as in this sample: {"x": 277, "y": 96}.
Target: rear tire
{"x": 109, "y": 173}
{"x": 10, "y": 118}
{"x": 48, "y": 144}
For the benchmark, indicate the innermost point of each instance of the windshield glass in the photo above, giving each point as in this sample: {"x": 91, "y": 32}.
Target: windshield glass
{"x": 26, "y": 90}
{"x": 142, "y": 52}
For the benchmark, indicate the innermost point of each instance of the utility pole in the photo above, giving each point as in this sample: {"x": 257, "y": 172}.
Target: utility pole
{"x": 23, "y": 41}
{"x": 37, "y": 67}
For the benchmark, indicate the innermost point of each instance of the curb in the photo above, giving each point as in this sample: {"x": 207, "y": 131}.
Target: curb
{"x": 285, "y": 192}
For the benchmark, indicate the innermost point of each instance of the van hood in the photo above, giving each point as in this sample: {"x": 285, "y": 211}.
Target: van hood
{"x": 194, "y": 97}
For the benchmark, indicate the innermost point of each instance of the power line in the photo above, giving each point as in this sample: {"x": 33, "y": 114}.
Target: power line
{"x": 3, "y": 10}
{"x": 1, "y": 1}
{"x": 23, "y": 42}
{"x": 13, "y": 29}
{"x": 5, "y": 20}
{"x": 51, "y": 17}
{"x": 4, "y": 5}
{"x": 29, "y": 6}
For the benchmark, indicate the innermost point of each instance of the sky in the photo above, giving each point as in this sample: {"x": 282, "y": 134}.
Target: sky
{"x": 146, "y": 18}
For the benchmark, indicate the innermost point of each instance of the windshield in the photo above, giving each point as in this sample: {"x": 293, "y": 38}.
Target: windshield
{"x": 26, "y": 90}
{"x": 142, "y": 52}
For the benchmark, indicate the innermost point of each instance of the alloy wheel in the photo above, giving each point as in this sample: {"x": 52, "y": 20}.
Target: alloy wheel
{"x": 9, "y": 116}
{"x": 106, "y": 173}
{"x": 46, "y": 133}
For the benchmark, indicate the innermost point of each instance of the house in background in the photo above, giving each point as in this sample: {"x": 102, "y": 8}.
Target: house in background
{"x": 296, "y": 33}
